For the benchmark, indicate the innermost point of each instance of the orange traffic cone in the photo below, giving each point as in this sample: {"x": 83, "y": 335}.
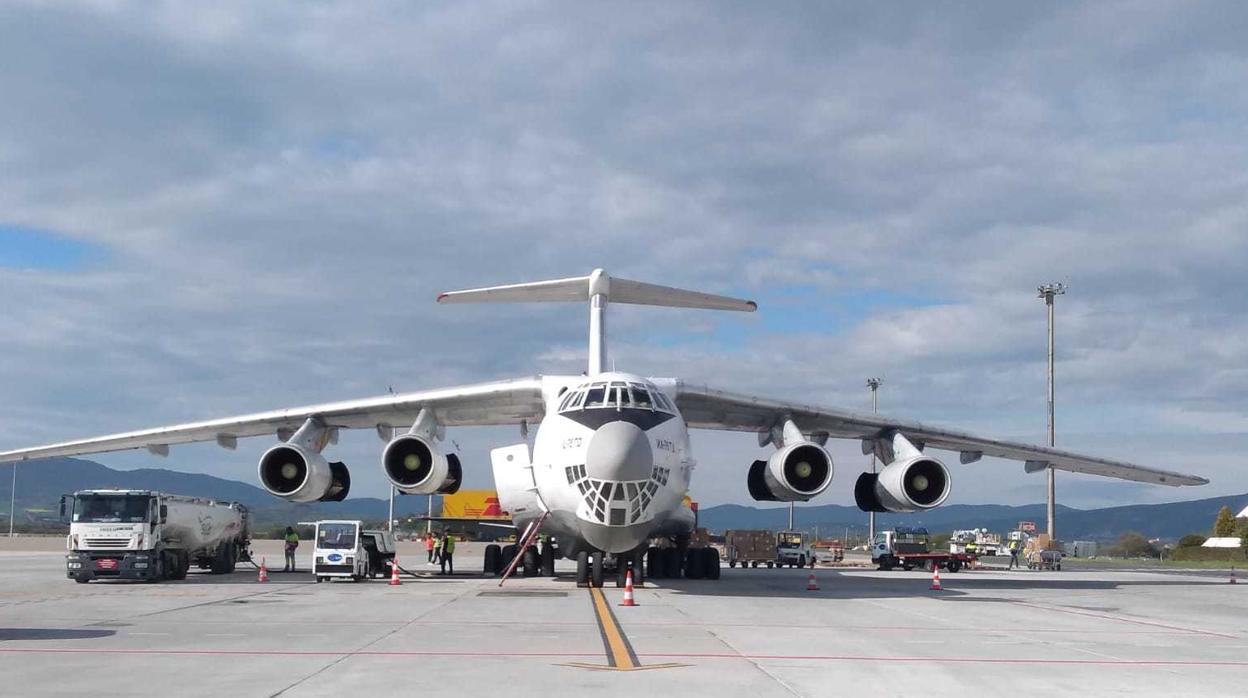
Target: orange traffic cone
{"x": 1232, "y": 579}
{"x": 810, "y": 583}
{"x": 628, "y": 590}
{"x": 394, "y": 572}
{"x": 264, "y": 572}
{"x": 936, "y": 579}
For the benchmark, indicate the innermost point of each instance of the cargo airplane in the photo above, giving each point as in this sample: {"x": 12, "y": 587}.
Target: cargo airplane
{"x": 611, "y": 462}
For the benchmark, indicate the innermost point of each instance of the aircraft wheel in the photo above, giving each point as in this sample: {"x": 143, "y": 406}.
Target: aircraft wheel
{"x": 694, "y": 563}
{"x": 582, "y": 569}
{"x": 548, "y": 561}
{"x": 671, "y": 563}
{"x": 509, "y": 554}
{"x": 621, "y": 570}
{"x": 710, "y": 562}
{"x": 493, "y": 559}
{"x": 654, "y": 562}
{"x": 530, "y": 563}
{"x": 596, "y": 570}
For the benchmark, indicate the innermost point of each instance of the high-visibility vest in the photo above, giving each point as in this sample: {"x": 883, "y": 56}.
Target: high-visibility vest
{"x": 429, "y": 543}
{"x": 449, "y": 546}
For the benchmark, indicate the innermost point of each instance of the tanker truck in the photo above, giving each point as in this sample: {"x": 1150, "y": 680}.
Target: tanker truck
{"x": 140, "y": 534}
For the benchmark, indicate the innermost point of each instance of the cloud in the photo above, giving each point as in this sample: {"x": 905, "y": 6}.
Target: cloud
{"x": 281, "y": 190}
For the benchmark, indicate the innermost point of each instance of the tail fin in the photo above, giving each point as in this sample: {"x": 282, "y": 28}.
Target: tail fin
{"x": 597, "y": 289}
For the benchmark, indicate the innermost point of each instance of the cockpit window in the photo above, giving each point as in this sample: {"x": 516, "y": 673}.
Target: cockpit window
{"x": 660, "y": 398}
{"x": 595, "y": 396}
{"x": 641, "y": 397}
{"x": 615, "y": 395}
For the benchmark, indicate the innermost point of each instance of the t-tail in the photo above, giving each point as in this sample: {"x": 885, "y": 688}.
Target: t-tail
{"x": 598, "y": 289}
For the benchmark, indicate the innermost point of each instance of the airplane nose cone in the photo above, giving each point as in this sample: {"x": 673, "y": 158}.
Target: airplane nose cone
{"x": 619, "y": 451}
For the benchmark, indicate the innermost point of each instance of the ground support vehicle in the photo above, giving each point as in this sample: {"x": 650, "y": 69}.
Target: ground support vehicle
{"x": 793, "y": 549}
{"x": 379, "y": 546}
{"x": 907, "y": 548}
{"x": 141, "y": 534}
{"x": 976, "y": 541}
{"x": 1044, "y": 560}
{"x": 339, "y": 551}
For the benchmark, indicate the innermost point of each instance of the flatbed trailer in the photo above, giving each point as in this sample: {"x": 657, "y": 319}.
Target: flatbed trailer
{"x": 952, "y": 562}
{"x": 907, "y": 548}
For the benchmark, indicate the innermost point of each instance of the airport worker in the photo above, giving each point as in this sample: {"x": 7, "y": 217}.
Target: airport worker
{"x": 437, "y": 549}
{"x": 1013, "y": 554}
{"x": 448, "y": 552}
{"x": 292, "y": 543}
{"x": 429, "y": 548}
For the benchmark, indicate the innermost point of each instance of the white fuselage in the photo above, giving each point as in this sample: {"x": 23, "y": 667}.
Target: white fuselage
{"x": 611, "y": 463}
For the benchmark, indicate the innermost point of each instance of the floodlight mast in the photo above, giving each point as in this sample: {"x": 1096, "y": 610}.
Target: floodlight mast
{"x": 874, "y": 385}
{"x": 1048, "y": 292}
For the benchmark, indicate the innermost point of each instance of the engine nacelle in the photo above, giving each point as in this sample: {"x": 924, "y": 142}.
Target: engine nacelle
{"x": 794, "y": 473}
{"x": 297, "y": 474}
{"x": 917, "y": 483}
{"x": 416, "y": 466}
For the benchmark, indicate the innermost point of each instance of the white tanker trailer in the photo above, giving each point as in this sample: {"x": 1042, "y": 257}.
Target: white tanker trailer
{"x": 140, "y": 534}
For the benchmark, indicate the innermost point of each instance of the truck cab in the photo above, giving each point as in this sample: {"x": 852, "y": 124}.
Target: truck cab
{"x": 891, "y": 546}
{"x": 339, "y": 551}
{"x": 112, "y": 534}
{"x": 793, "y": 549}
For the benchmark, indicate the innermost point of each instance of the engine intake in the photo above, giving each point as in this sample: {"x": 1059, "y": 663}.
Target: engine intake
{"x": 795, "y": 473}
{"x": 301, "y": 475}
{"x": 416, "y": 466}
{"x": 915, "y": 484}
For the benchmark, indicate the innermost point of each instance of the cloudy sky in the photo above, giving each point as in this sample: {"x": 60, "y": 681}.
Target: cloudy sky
{"x": 217, "y": 208}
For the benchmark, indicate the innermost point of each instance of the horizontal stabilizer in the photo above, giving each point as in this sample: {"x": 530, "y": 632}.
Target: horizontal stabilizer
{"x": 583, "y": 288}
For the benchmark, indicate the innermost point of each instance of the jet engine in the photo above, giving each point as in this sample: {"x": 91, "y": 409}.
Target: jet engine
{"x": 416, "y": 466}
{"x": 794, "y": 473}
{"x": 298, "y": 474}
{"x": 914, "y": 484}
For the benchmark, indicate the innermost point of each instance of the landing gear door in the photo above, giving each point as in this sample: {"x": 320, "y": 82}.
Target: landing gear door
{"x": 513, "y": 478}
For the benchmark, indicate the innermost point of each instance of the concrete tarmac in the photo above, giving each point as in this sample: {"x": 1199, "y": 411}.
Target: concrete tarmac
{"x": 753, "y": 633}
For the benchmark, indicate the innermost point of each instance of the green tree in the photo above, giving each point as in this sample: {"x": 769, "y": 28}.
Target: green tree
{"x": 1191, "y": 540}
{"x": 1224, "y": 526}
{"x": 1132, "y": 544}
{"x": 1242, "y": 532}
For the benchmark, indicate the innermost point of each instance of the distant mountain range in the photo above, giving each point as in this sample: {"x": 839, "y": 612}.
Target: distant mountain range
{"x": 40, "y": 488}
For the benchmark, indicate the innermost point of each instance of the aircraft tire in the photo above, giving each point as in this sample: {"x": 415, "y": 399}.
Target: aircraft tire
{"x": 671, "y": 563}
{"x": 654, "y": 562}
{"x": 694, "y": 563}
{"x": 493, "y": 559}
{"x": 582, "y": 569}
{"x": 710, "y": 562}
{"x": 509, "y": 554}
{"x": 596, "y": 570}
{"x": 548, "y": 561}
{"x": 530, "y": 563}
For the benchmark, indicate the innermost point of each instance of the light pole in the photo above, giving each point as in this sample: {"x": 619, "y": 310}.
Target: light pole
{"x": 1048, "y": 292}
{"x": 12, "y": 500}
{"x": 390, "y": 528}
{"x": 874, "y": 385}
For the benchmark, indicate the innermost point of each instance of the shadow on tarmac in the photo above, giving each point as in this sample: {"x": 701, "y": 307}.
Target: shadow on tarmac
{"x": 54, "y": 633}
{"x": 837, "y": 584}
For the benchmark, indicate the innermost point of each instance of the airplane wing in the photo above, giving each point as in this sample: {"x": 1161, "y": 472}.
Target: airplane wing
{"x": 500, "y": 403}
{"x": 706, "y": 408}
